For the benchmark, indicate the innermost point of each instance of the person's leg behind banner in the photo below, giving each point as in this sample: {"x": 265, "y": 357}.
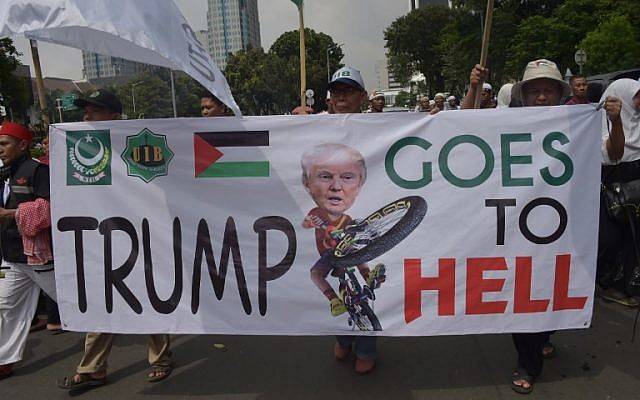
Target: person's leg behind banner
{"x": 18, "y": 302}
{"x": 365, "y": 349}
{"x": 159, "y": 357}
{"x": 92, "y": 370}
{"x": 97, "y": 347}
{"x": 53, "y": 316}
{"x": 530, "y": 359}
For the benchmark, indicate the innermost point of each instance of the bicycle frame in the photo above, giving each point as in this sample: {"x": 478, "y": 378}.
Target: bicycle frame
{"x": 354, "y": 295}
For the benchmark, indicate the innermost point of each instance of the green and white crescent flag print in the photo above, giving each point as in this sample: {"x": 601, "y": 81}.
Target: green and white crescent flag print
{"x": 486, "y": 221}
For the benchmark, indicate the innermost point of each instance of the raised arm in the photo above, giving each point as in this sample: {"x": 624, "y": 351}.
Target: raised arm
{"x": 477, "y": 78}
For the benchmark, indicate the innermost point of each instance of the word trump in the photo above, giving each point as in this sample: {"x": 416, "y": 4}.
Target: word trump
{"x": 115, "y": 277}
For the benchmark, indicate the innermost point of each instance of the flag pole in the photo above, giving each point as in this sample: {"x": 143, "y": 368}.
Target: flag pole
{"x": 303, "y": 62}
{"x": 173, "y": 94}
{"x": 39, "y": 84}
{"x": 485, "y": 47}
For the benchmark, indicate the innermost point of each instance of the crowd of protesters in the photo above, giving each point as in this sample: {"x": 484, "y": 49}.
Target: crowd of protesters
{"x": 25, "y": 221}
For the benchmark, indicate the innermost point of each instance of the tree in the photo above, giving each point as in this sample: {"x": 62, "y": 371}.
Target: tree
{"x": 262, "y": 83}
{"x": 152, "y": 96}
{"x": 188, "y": 92}
{"x": 15, "y": 90}
{"x": 287, "y": 47}
{"x": 613, "y": 45}
{"x": 405, "y": 99}
{"x": 265, "y": 83}
{"x": 523, "y": 30}
{"x": 413, "y": 42}
{"x": 538, "y": 37}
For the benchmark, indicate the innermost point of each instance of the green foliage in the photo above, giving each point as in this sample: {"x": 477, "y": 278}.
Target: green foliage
{"x": 523, "y": 30}
{"x": 413, "y": 42}
{"x": 405, "y": 99}
{"x": 152, "y": 91}
{"x": 287, "y": 47}
{"x": 606, "y": 52}
{"x": 15, "y": 90}
{"x": 539, "y": 37}
{"x": 265, "y": 83}
{"x": 152, "y": 96}
{"x": 261, "y": 83}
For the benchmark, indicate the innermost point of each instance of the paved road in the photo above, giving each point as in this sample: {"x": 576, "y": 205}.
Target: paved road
{"x": 598, "y": 363}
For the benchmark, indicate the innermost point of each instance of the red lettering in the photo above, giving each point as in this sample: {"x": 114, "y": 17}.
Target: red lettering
{"x": 522, "y": 302}
{"x": 477, "y": 285}
{"x": 414, "y": 284}
{"x": 561, "y": 299}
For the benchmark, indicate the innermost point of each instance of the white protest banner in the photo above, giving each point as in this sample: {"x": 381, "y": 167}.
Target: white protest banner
{"x": 148, "y": 31}
{"x": 485, "y": 220}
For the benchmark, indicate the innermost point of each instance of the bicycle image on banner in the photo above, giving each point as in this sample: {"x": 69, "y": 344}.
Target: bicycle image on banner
{"x": 333, "y": 174}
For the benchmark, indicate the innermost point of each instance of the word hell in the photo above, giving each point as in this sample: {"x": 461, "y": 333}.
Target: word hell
{"x": 476, "y": 285}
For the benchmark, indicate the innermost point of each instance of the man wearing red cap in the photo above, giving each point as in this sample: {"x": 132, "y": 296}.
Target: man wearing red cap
{"x": 23, "y": 182}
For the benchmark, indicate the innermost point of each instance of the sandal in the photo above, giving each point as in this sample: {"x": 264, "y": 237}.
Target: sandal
{"x": 549, "y": 351}
{"x": 520, "y": 375}
{"x": 85, "y": 382}
{"x": 157, "y": 374}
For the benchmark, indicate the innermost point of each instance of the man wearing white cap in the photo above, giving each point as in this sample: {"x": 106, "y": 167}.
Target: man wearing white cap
{"x": 376, "y": 102}
{"x": 439, "y": 100}
{"x": 477, "y": 80}
{"x": 347, "y": 96}
{"x": 347, "y": 91}
{"x": 329, "y": 105}
{"x": 451, "y": 103}
{"x": 504, "y": 95}
{"x": 486, "y": 101}
{"x": 541, "y": 85}
{"x": 423, "y": 104}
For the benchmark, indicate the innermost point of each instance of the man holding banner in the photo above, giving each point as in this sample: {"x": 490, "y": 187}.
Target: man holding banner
{"x": 542, "y": 85}
{"x": 92, "y": 370}
{"x": 347, "y": 96}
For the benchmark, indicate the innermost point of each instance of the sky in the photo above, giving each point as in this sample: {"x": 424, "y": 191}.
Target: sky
{"x": 359, "y": 24}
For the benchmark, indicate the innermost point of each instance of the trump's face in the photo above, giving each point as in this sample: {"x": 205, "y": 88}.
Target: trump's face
{"x": 334, "y": 185}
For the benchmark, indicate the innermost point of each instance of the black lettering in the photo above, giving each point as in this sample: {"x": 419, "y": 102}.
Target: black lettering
{"x": 500, "y": 205}
{"x": 192, "y": 35}
{"x": 266, "y": 274}
{"x": 115, "y": 277}
{"x": 163, "y": 306}
{"x": 229, "y": 245}
{"x": 207, "y": 73}
{"x": 543, "y": 201}
{"x": 77, "y": 225}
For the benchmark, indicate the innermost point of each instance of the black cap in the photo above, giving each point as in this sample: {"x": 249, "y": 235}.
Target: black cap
{"x": 103, "y": 99}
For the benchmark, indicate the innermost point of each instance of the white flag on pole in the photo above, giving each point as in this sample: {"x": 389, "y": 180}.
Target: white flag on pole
{"x": 147, "y": 31}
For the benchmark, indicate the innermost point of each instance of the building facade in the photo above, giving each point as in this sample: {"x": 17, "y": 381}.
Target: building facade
{"x": 203, "y": 38}
{"x": 233, "y": 25}
{"x": 100, "y": 67}
{"x": 413, "y": 4}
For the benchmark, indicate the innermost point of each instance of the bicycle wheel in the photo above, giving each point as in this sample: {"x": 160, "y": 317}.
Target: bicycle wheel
{"x": 368, "y": 320}
{"x": 379, "y": 232}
